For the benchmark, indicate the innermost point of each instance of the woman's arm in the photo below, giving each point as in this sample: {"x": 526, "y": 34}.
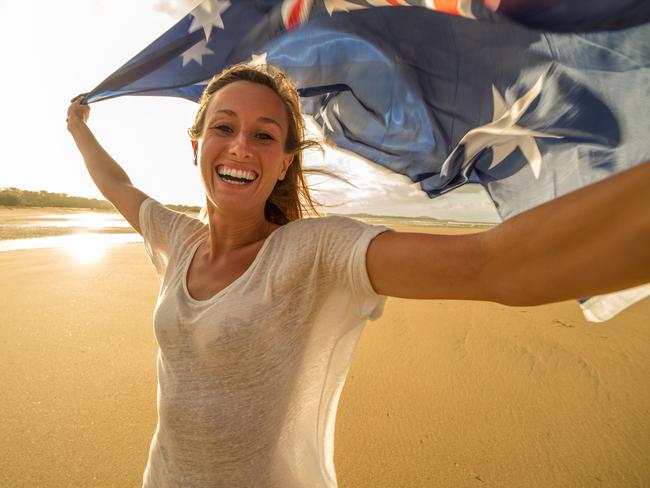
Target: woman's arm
{"x": 592, "y": 241}
{"x": 110, "y": 178}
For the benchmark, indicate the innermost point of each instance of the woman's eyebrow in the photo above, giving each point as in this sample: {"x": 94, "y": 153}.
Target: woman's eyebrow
{"x": 226, "y": 111}
{"x": 223, "y": 111}
{"x": 266, "y": 120}
{"x": 269, "y": 120}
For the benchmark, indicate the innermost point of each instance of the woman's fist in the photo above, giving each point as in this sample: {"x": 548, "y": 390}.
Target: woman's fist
{"x": 77, "y": 112}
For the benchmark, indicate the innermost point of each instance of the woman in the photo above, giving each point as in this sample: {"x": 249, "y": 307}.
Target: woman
{"x": 259, "y": 310}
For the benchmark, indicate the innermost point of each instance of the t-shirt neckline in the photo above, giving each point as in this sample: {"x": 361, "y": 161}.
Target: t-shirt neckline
{"x": 235, "y": 282}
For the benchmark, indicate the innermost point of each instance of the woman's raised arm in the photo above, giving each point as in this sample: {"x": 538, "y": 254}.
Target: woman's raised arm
{"x": 592, "y": 241}
{"x": 110, "y": 178}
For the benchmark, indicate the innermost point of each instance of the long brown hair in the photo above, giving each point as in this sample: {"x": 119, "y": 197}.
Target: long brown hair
{"x": 290, "y": 198}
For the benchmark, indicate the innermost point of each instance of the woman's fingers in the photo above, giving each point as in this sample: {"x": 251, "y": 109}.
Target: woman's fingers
{"x": 78, "y": 97}
{"x": 77, "y": 110}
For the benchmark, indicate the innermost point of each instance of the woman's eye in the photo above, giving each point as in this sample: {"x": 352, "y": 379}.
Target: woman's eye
{"x": 223, "y": 128}
{"x": 265, "y": 136}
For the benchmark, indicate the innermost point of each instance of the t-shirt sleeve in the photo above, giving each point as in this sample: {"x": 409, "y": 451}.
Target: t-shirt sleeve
{"x": 162, "y": 231}
{"x": 346, "y": 250}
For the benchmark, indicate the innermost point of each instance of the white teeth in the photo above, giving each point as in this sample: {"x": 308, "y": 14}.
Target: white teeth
{"x": 236, "y": 173}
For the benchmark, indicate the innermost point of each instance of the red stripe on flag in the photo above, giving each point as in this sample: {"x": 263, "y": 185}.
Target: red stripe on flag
{"x": 448, "y": 6}
{"x": 294, "y": 16}
{"x": 394, "y": 3}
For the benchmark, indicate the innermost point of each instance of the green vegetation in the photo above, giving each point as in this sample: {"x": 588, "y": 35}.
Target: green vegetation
{"x": 15, "y": 197}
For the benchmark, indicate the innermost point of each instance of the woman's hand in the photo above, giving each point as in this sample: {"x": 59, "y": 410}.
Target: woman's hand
{"x": 77, "y": 112}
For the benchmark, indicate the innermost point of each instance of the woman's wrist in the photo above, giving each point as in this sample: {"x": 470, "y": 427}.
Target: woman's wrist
{"x": 75, "y": 124}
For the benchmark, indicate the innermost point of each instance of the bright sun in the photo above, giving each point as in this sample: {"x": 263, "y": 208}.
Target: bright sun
{"x": 86, "y": 247}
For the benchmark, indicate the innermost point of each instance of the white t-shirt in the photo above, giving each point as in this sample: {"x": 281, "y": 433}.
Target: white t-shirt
{"x": 249, "y": 380}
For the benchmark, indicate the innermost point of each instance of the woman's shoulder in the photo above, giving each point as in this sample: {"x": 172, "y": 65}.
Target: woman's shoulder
{"x": 172, "y": 223}
{"x": 325, "y": 224}
{"x": 328, "y": 221}
{"x": 329, "y": 228}
{"x": 160, "y": 209}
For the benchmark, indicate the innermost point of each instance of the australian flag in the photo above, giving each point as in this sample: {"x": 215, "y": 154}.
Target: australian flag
{"x": 532, "y": 98}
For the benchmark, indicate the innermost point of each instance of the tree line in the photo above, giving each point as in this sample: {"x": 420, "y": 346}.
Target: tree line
{"x": 15, "y": 197}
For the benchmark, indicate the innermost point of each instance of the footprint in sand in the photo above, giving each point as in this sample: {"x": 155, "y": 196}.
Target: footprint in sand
{"x": 563, "y": 323}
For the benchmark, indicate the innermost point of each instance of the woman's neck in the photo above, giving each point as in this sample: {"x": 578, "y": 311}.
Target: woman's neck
{"x": 230, "y": 232}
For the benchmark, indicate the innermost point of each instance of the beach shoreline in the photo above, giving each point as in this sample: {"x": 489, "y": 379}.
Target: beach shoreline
{"x": 31, "y": 222}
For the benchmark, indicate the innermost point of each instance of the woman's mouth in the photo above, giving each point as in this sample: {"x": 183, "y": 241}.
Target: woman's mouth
{"x": 235, "y": 176}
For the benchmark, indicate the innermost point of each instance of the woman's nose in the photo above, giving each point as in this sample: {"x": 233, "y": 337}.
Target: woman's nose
{"x": 240, "y": 147}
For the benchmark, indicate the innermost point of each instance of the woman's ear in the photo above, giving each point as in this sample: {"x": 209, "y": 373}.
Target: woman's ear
{"x": 285, "y": 165}
{"x": 195, "y": 149}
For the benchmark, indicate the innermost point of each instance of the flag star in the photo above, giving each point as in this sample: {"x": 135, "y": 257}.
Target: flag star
{"x": 196, "y": 53}
{"x": 343, "y": 5}
{"x": 208, "y": 15}
{"x": 503, "y": 134}
{"x": 258, "y": 59}
{"x": 326, "y": 122}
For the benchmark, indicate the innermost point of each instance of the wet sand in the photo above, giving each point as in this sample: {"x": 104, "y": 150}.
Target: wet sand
{"x": 440, "y": 394}
{"x": 30, "y": 222}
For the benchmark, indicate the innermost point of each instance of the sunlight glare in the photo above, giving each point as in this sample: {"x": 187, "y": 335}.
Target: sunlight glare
{"x": 89, "y": 220}
{"x": 87, "y": 248}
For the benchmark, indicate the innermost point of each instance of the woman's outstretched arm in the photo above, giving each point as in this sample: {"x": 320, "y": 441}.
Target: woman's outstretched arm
{"x": 592, "y": 241}
{"x": 110, "y": 178}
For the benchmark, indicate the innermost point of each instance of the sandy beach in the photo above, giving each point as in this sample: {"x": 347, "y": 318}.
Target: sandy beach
{"x": 440, "y": 394}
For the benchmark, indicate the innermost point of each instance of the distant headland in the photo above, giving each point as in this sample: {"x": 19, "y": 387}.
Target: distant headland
{"x": 15, "y": 197}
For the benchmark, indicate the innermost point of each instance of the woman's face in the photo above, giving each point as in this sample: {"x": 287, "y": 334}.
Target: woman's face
{"x": 241, "y": 151}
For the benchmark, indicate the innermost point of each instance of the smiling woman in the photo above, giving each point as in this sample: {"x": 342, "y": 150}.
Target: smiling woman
{"x": 242, "y": 152}
{"x": 278, "y": 127}
{"x": 260, "y": 310}
{"x": 269, "y": 297}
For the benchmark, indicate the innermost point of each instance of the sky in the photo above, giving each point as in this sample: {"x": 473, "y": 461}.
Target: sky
{"x": 52, "y": 51}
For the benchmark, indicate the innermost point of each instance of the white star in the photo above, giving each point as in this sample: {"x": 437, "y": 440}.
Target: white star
{"x": 196, "y": 53}
{"x": 326, "y": 122}
{"x": 335, "y": 5}
{"x": 207, "y": 15}
{"x": 257, "y": 59}
{"x": 503, "y": 134}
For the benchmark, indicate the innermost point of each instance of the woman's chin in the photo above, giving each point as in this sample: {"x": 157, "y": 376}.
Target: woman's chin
{"x": 232, "y": 203}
